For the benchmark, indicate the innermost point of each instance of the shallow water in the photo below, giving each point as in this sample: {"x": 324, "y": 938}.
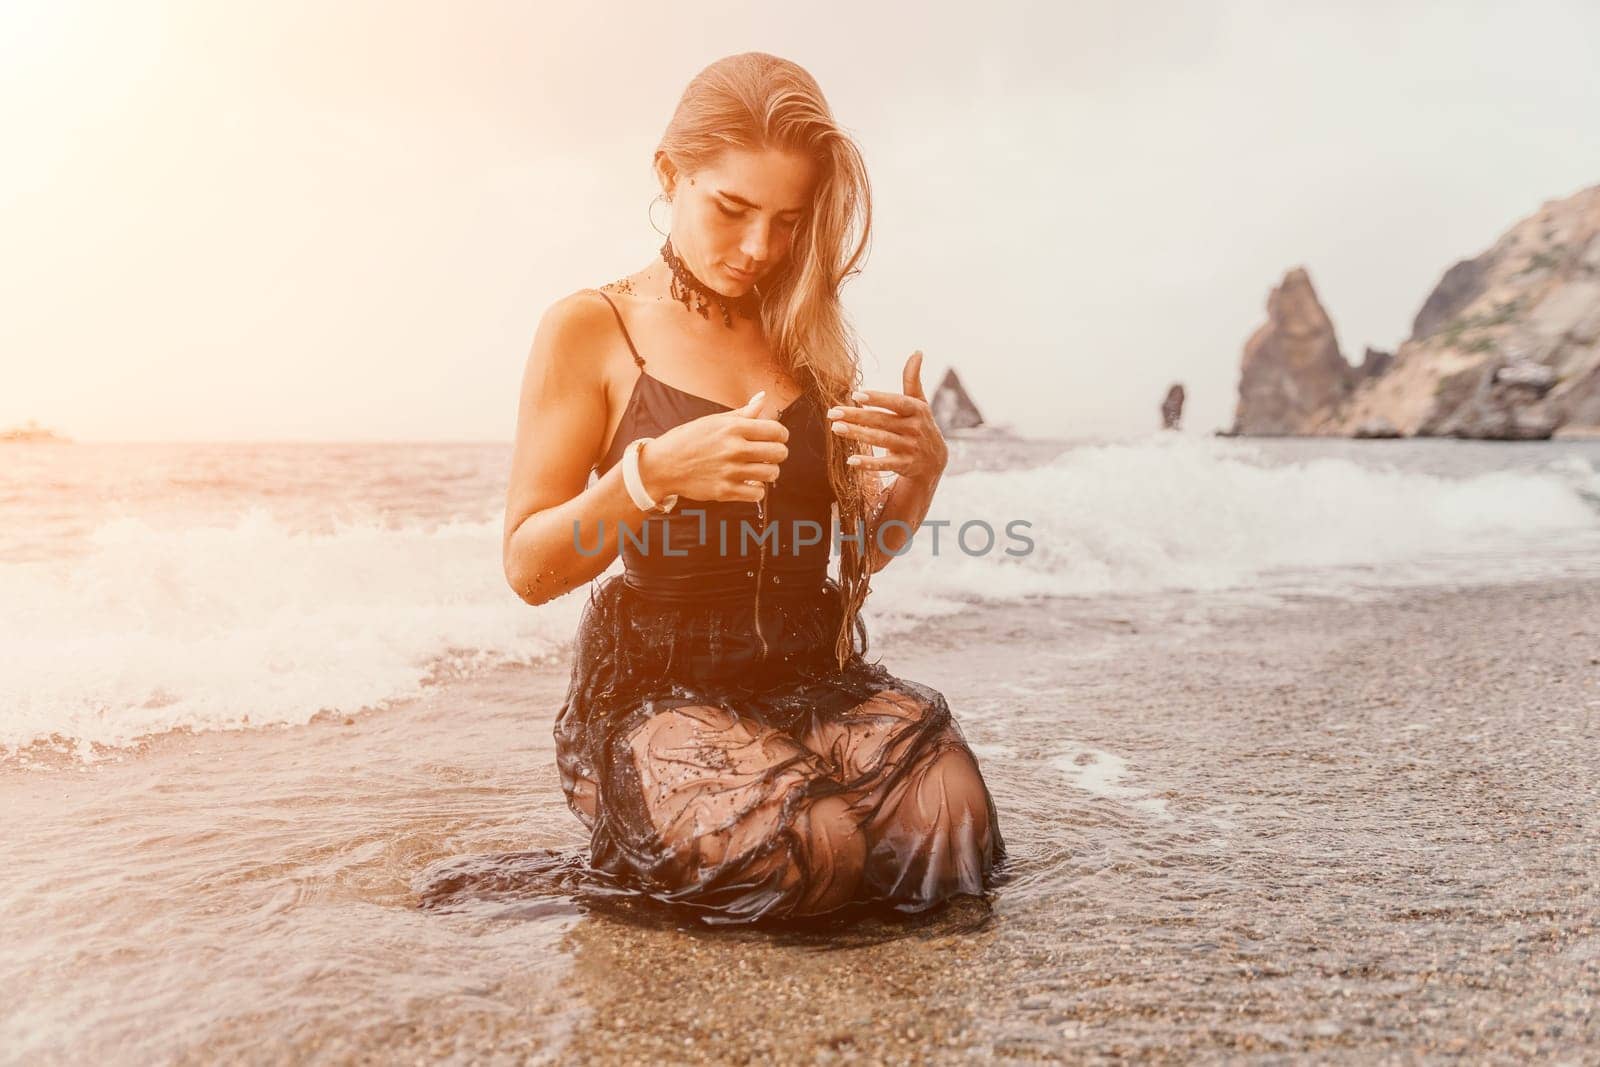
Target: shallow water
{"x": 1363, "y": 827}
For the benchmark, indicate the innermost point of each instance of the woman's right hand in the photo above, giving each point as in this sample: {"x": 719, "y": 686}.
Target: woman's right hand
{"x": 732, "y": 455}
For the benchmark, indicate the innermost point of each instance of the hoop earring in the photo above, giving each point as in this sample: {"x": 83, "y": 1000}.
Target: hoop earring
{"x": 651, "y": 212}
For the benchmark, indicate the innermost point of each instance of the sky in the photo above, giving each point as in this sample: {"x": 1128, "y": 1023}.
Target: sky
{"x": 313, "y": 221}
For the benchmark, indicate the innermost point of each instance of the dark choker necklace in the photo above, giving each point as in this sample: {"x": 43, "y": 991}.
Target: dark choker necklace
{"x": 698, "y": 296}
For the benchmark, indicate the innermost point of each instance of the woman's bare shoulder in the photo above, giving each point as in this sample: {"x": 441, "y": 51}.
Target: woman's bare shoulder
{"x": 573, "y": 339}
{"x": 578, "y": 311}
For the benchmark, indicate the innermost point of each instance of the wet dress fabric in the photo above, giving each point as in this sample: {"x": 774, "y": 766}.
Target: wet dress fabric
{"x": 709, "y": 741}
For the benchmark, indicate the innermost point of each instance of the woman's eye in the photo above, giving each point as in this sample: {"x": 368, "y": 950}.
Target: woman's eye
{"x": 730, "y": 214}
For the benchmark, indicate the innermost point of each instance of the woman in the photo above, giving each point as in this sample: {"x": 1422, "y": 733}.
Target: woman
{"x": 723, "y": 739}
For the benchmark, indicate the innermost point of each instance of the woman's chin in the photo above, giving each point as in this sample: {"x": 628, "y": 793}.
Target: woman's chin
{"x": 735, "y": 284}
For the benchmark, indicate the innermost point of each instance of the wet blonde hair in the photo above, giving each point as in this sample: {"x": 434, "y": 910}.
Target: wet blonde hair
{"x": 755, "y": 101}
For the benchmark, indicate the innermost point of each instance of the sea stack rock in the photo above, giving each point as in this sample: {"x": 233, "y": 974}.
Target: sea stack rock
{"x": 953, "y": 408}
{"x": 1172, "y": 408}
{"x": 1293, "y": 373}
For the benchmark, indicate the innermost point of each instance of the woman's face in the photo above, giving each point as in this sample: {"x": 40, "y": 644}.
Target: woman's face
{"x": 733, "y": 223}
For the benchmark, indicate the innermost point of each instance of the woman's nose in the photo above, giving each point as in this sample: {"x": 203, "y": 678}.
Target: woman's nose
{"x": 757, "y": 241}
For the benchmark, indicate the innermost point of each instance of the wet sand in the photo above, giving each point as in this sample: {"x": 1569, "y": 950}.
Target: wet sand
{"x": 1410, "y": 837}
{"x": 1359, "y": 831}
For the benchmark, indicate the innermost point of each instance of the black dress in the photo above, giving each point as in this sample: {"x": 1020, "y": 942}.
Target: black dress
{"x": 710, "y": 742}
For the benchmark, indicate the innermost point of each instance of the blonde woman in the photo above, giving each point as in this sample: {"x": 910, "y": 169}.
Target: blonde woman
{"x": 724, "y": 740}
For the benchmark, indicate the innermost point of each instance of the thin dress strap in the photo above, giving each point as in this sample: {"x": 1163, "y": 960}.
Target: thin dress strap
{"x": 636, "y": 357}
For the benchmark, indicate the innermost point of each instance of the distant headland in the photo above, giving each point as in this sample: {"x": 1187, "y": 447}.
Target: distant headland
{"x": 1507, "y": 346}
{"x": 32, "y": 431}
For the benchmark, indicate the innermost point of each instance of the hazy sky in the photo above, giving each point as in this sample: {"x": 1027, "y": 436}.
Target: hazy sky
{"x": 343, "y": 220}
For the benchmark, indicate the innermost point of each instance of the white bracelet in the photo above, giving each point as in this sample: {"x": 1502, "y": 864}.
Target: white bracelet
{"x": 635, "y": 484}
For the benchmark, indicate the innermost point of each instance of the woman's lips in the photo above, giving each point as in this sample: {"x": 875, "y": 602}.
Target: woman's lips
{"x": 742, "y": 275}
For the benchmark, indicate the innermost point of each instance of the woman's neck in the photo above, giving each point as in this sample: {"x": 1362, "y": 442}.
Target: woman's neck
{"x": 653, "y": 285}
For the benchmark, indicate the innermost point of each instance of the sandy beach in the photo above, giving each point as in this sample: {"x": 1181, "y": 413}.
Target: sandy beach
{"x": 1364, "y": 829}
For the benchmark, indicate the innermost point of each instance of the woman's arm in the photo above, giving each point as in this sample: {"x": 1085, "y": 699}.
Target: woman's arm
{"x": 904, "y": 499}
{"x": 561, "y": 424}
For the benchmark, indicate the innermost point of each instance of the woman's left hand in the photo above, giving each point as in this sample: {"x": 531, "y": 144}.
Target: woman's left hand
{"x": 912, "y": 445}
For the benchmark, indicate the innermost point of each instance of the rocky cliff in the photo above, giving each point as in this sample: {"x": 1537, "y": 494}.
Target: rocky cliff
{"x": 1506, "y": 346}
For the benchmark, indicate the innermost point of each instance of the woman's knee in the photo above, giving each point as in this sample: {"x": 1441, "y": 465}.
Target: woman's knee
{"x": 821, "y": 861}
{"x": 958, "y": 776}
{"x": 946, "y": 792}
{"x": 834, "y": 847}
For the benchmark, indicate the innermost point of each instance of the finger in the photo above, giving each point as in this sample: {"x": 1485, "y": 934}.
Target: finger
{"x": 887, "y": 462}
{"x": 764, "y": 453}
{"x": 912, "y": 377}
{"x": 757, "y": 472}
{"x": 899, "y": 402}
{"x": 740, "y": 490}
{"x": 884, "y": 420}
{"x": 872, "y": 436}
{"x": 757, "y": 429}
{"x": 752, "y": 407}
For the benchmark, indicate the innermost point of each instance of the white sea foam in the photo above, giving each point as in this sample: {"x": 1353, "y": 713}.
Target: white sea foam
{"x": 224, "y": 626}
{"x": 1186, "y": 513}
{"x": 1102, "y": 774}
{"x": 252, "y": 621}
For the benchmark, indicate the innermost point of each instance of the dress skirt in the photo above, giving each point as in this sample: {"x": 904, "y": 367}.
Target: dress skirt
{"x": 722, "y": 760}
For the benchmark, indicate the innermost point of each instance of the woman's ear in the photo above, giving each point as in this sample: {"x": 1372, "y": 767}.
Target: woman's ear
{"x": 666, "y": 174}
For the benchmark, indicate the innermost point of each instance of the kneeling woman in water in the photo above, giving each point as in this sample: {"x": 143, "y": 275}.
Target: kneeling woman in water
{"x": 724, "y": 739}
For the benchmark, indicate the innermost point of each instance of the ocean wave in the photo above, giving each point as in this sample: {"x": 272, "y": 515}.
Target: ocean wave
{"x": 223, "y": 626}
{"x": 1181, "y": 512}
{"x": 228, "y": 626}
